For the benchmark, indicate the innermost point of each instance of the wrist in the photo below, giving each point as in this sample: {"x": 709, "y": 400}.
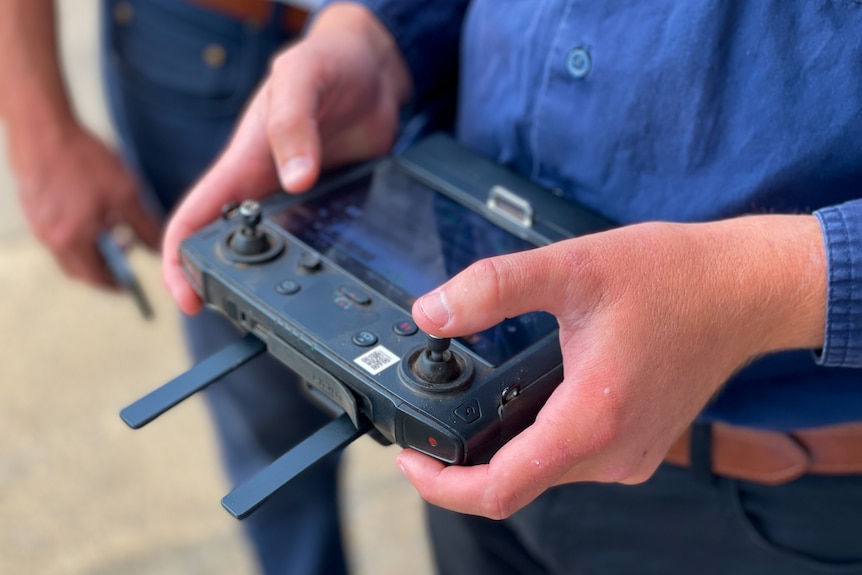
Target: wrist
{"x": 775, "y": 267}
{"x": 38, "y": 135}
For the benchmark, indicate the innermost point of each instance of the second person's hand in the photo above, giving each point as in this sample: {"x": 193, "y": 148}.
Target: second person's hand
{"x": 73, "y": 188}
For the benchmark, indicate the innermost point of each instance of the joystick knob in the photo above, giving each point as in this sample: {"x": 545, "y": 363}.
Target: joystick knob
{"x": 249, "y": 213}
{"x": 437, "y": 364}
{"x": 249, "y": 240}
{"x": 435, "y": 367}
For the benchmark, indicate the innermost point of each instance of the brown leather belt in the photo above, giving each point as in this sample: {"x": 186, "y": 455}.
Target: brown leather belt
{"x": 258, "y": 12}
{"x": 773, "y": 458}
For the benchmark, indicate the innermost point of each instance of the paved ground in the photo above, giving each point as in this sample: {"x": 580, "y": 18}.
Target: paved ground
{"x": 79, "y": 492}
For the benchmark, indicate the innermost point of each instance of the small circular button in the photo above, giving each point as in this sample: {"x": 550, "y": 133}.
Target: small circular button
{"x": 405, "y": 328}
{"x": 579, "y": 62}
{"x": 356, "y": 295}
{"x": 365, "y": 338}
{"x": 287, "y": 287}
{"x": 309, "y": 262}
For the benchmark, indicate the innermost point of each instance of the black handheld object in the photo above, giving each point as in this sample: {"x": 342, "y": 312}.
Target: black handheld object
{"x": 122, "y": 273}
{"x": 326, "y": 281}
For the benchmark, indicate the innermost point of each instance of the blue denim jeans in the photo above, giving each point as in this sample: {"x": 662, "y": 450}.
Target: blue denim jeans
{"x": 177, "y": 78}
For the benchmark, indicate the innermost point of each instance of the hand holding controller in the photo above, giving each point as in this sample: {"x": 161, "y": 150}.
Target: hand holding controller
{"x": 325, "y": 282}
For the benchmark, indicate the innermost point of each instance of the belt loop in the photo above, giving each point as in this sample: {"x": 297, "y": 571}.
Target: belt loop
{"x": 701, "y": 452}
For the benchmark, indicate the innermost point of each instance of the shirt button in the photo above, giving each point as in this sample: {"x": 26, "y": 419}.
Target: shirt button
{"x": 214, "y": 56}
{"x": 578, "y": 62}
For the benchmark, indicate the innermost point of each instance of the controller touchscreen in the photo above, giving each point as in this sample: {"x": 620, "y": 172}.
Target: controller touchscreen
{"x": 404, "y": 239}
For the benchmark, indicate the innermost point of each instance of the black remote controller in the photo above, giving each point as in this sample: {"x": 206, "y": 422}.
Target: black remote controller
{"x": 325, "y": 281}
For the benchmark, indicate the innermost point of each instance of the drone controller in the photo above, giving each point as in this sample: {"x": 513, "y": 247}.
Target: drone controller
{"x": 325, "y": 282}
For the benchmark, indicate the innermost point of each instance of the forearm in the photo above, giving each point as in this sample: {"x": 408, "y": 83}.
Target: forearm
{"x": 34, "y": 105}
{"x": 771, "y": 277}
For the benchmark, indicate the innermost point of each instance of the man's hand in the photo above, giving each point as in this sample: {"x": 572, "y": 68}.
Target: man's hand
{"x": 331, "y": 99}
{"x": 73, "y": 188}
{"x": 653, "y": 319}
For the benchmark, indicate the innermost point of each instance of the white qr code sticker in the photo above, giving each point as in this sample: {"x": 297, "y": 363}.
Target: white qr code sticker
{"x": 376, "y": 360}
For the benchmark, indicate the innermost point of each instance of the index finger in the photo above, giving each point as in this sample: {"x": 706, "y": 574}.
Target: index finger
{"x": 244, "y": 171}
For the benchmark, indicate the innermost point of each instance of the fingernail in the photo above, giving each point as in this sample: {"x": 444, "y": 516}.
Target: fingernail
{"x": 436, "y": 308}
{"x": 294, "y": 170}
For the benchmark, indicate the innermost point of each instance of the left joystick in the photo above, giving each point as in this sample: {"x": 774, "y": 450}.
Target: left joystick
{"x": 249, "y": 240}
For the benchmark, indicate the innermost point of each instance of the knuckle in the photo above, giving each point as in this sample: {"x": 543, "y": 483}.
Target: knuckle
{"x": 498, "y": 279}
{"x": 630, "y": 468}
{"x": 639, "y": 476}
{"x": 281, "y": 121}
{"x": 284, "y": 63}
{"x": 581, "y": 265}
{"x": 605, "y": 437}
{"x": 618, "y": 472}
{"x": 487, "y": 278}
{"x": 498, "y": 504}
{"x": 59, "y": 238}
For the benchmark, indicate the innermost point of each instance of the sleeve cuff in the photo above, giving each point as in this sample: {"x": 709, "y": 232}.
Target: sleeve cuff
{"x": 842, "y": 233}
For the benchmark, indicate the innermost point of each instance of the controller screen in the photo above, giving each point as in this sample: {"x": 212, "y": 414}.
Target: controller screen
{"x": 404, "y": 239}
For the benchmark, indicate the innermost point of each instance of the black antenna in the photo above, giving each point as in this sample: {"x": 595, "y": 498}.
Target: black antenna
{"x": 201, "y": 375}
{"x": 242, "y": 501}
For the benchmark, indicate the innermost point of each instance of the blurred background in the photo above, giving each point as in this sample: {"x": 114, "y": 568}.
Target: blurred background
{"x": 82, "y": 494}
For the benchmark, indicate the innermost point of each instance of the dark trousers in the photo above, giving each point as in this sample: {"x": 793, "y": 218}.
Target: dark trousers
{"x": 675, "y": 523}
{"x": 177, "y": 78}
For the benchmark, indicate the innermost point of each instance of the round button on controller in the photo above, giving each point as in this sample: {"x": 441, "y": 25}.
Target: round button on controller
{"x": 310, "y": 263}
{"x": 355, "y": 295}
{"x": 287, "y": 287}
{"x": 364, "y": 338}
{"x": 405, "y": 328}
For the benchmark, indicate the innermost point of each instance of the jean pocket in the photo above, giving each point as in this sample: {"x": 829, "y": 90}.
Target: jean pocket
{"x": 174, "y": 54}
{"x": 814, "y": 523}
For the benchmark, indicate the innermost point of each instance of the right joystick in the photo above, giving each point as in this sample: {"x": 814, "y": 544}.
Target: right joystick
{"x": 437, "y": 364}
{"x": 435, "y": 367}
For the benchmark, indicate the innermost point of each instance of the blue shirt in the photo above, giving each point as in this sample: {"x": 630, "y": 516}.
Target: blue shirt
{"x": 676, "y": 111}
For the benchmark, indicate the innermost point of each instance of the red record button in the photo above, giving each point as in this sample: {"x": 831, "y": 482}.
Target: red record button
{"x": 406, "y": 327}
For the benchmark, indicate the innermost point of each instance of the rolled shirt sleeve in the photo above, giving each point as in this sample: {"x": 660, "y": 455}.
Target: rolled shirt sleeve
{"x": 842, "y": 231}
